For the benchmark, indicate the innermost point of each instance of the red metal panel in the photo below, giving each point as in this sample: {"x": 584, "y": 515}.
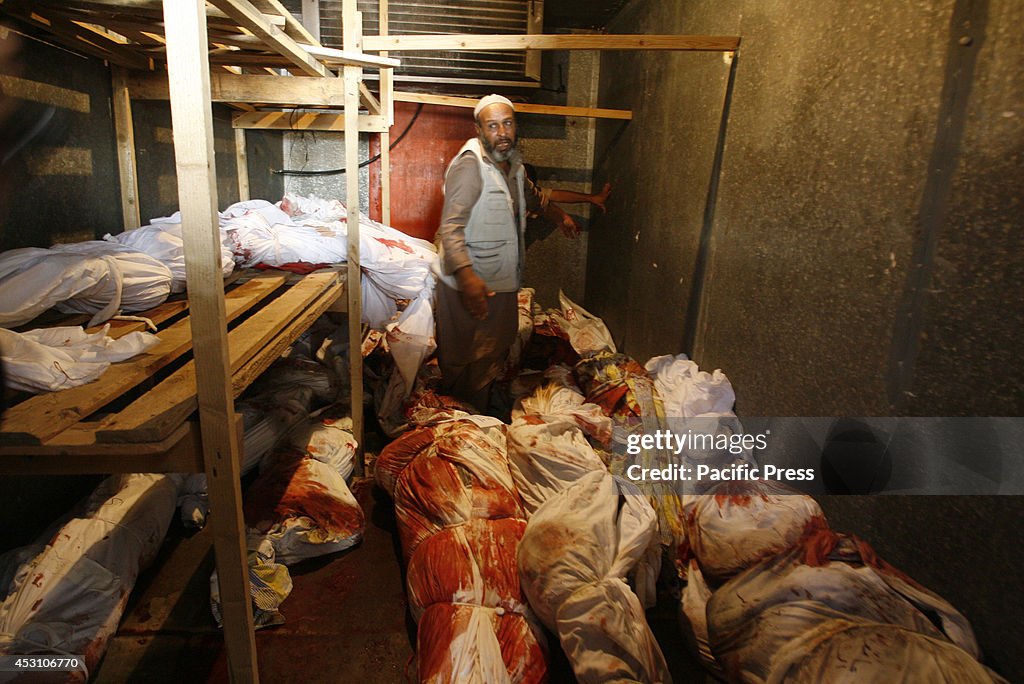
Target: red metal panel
{"x": 418, "y": 163}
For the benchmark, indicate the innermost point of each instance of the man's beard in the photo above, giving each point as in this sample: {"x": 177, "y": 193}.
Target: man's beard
{"x": 496, "y": 155}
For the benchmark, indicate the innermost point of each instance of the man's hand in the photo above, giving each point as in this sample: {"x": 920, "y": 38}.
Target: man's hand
{"x": 473, "y": 291}
{"x": 557, "y": 216}
{"x": 569, "y": 226}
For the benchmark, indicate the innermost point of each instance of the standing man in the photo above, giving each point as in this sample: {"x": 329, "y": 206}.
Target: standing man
{"x": 481, "y": 247}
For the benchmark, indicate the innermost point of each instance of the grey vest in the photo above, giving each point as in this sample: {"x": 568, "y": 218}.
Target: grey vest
{"x": 493, "y": 239}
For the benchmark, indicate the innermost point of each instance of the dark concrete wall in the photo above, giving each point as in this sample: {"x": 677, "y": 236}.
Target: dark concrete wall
{"x": 58, "y": 180}
{"x": 863, "y": 251}
{"x": 971, "y": 317}
{"x": 154, "y": 146}
{"x": 61, "y": 183}
{"x": 864, "y": 247}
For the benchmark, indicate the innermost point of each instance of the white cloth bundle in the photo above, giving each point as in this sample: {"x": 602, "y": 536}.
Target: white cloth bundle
{"x": 51, "y": 359}
{"x": 303, "y": 507}
{"x": 95, "y": 277}
{"x": 328, "y": 440}
{"x": 573, "y": 560}
{"x": 162, "y": 239}
{"x": 587, "y": 333}
{"x": 69, "y": 597}
{"x": 729, "y": 528}
{"x": 686, "y": 391}
{"x": 736, "y": 524}
{"x": 547, "y": 447}
{"x": 757, "y": 615}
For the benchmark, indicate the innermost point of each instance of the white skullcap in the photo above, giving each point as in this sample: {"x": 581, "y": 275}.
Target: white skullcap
{"x": 489, "y": 100}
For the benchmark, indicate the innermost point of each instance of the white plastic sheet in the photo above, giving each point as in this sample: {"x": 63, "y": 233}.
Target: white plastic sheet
{"x": 827, "y": 576}
{"x": 95, "y": 277}
{"x": 573, "y": 559}
{"x": 686, "y": 391}
{"x": 50, "y": 359}
{"x": 164, "y": 242}
{"x": 69, "y": 598}
{"x": 587, "y": 333}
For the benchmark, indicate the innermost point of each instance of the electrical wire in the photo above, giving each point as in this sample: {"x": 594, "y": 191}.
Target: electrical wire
{"x": 335, "y": 172}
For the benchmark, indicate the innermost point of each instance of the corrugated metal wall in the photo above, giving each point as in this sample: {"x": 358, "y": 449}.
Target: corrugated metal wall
{"x": 407, "y": 17}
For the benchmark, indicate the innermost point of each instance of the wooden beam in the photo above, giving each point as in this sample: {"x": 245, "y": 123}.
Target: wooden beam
{"x": 311, "y": 19}
{"x": 325, "y": 54}
{"x": 80, "y": 39}
{"x": 305, "y": 121}
{"x": 450, "y": 80}
{"x": 124, "y": 132}
{"x": 257, "y": 341}
{"x": 387, "y": 99}
{"x": 76, "y": 453}
{"x": 521, "y": 108}
{"x": 279, "y": 90}
{"x": 367, "y": 98}
{"x": 351, "y": 57}
{"x": 251, "y": 19}
{"x": 241, "y": 165}
{"x": 191, "y": 115}
{"x": 352, "y": 75}
{"x": 464, "y": 41}
{"x": 534, "y": 26}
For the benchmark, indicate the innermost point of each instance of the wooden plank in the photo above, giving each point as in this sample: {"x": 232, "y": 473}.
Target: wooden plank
{"x": 351, "y": 37}
{"x": 241, "y": 165}
{"x": 75, "y": 452}
{"x": 279, "y": 90}
{"x": 188, "y": 70}
{"x": 386, "y": 75}
{"x": 305, "y": 121}
{"x": 78, "y": 38}
{"x": 351, "y": 57}
{"x": 153, "y": 416}
{"x": 466, "y": 41}
{"x": 251, "y": 19}
{"x": 449, "y": 80}
{"x": 125, "y": 133}
{"x": 387, "y": 99}
{"x": 311, "y": 19}
{"x": 534, "y": 26}
{"x": 521, "y": 107}
{"x": 43, "y": 416}
{"x": 368, "y": 98}
{"x": 285, "y": 337}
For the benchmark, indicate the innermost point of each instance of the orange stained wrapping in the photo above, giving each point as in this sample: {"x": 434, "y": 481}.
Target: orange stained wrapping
{"x": 473, "y": 563}
{"x": 521, "y": 646}
{"x": 462, "y": 476}
{"x": 398, "y": 454}
{"x": 288, "y": 490}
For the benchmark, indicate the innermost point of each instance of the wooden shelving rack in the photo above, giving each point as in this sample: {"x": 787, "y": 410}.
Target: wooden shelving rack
{"x": 167, "y": 50}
